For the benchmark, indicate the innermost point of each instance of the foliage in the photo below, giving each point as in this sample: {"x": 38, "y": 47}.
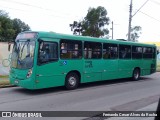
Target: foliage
{"x": 10, "y": 28}
{"x": 6, "y": 28}
{"x": 135, "y": 33}
{"x": 94, "y": 24}
{"x": 19, "y": 26}
{"x": 3, "y": 13}
{"x": 76, "y": 27}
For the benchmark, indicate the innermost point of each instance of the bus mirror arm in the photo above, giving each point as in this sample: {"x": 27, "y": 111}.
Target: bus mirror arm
{"x": 9, "y": 45}
{"x": 40, "y": 40}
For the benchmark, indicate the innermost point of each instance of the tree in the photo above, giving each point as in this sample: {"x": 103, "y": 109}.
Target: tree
{"x": 6, "y": 27}
{"x": 94, "y": 24}
{"x": 19, "y": 26}
{"x": 135, "y": 33}
{"x": 4, "y": 14}
{"x": 76, "y": 27}
{"x": 10, "y": 28}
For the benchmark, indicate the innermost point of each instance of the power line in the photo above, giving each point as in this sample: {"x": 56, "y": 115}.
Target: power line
{"x": 21, "y": 10}
{"x": 34, "y": 6}
{"x": 139, "y": 9}
{"x": 13, "y": 8}
{"x": 149, "y": 16}
{"x": 36, "y": 12}
{"x": 158, "y": 3}
{"x": 22, "y": 3}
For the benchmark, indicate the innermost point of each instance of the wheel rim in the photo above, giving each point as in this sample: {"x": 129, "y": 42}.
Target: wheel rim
{"x": 72, "y": 81}
{"x": 136, "y": 74}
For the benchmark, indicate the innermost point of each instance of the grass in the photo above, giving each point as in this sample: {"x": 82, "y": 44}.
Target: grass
{"x": 4, "y": 76}
{"x": 4, "y": 81}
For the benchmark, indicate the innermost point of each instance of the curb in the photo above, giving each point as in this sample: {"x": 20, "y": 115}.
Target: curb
{"x": 7, "y": 86}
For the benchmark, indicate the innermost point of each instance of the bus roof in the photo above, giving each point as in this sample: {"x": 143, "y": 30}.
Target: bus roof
{"x": 87, "y": 38}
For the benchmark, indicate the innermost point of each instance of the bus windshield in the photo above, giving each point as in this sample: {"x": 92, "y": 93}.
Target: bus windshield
{"x": 22, "y": 54}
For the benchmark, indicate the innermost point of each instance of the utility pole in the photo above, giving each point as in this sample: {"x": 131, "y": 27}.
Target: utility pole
{"x": 130, "y": 20}
{"x": 112, "y": 29}
{"x": 131, "y": 16}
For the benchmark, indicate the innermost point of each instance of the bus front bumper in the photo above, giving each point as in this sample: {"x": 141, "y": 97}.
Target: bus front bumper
{"x": 26, "y": 83}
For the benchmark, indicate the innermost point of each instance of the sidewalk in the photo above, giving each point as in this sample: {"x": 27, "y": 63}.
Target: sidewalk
{"x": 151, "y": 107}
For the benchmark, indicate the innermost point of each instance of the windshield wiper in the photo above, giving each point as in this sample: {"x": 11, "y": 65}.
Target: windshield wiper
{"x": 27, "y": 42}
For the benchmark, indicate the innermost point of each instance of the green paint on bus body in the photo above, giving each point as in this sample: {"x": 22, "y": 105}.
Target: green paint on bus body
{"x": 41, "y": 74}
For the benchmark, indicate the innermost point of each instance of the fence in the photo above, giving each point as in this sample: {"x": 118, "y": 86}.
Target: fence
{"x": 4, "y": 54}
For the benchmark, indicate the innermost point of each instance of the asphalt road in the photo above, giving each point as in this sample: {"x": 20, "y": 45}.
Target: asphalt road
{"x": 121, "y": 94}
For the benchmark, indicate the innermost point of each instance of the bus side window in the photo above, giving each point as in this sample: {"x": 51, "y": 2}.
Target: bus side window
{"x": 147, "y": 52}
{"x": 92, "y": 50}
{"x": 70, "y": 49}
{"x": 124, "y": 51}
{"x": 136, "y": 52}
{"x": 110, "y": 51}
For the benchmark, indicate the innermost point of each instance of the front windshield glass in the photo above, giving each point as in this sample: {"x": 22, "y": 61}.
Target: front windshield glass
{"x": 22, "y": 55}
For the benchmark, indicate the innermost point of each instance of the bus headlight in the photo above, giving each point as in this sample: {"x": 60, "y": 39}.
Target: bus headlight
{"x": 29, "y": 73}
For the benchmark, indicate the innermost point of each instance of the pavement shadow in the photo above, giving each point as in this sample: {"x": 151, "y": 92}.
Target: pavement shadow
{"x": 111, "y": 82}
{"x": 61, "y": 90}
{"x": 40, "y": 91}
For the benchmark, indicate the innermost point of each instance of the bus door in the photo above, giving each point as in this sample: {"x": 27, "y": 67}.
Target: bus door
{"x": 48, "y": 70}
{"x": 125, "y": 62}
{"x": 92, "y": 70}
{"x": 110, "y": 69}
{"x": 92, "y": 61}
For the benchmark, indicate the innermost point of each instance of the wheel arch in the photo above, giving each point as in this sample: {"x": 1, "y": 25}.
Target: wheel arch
{"x": 138, "y": 69}
{"x": 136, "y": 73}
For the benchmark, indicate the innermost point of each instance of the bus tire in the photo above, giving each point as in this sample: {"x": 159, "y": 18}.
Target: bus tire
{"x": 72, "y": 81}
{"x": 136, "y": 74}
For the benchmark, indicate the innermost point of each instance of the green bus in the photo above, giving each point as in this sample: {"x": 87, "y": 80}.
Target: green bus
{"x": 47, "y": 59}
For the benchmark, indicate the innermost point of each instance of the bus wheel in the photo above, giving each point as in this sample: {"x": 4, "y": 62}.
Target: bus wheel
{"x": 136, "y": 74}
{"x": 72, "y": 81}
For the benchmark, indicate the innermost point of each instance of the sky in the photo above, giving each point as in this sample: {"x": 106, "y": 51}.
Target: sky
{"x": 56, "y": 15}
